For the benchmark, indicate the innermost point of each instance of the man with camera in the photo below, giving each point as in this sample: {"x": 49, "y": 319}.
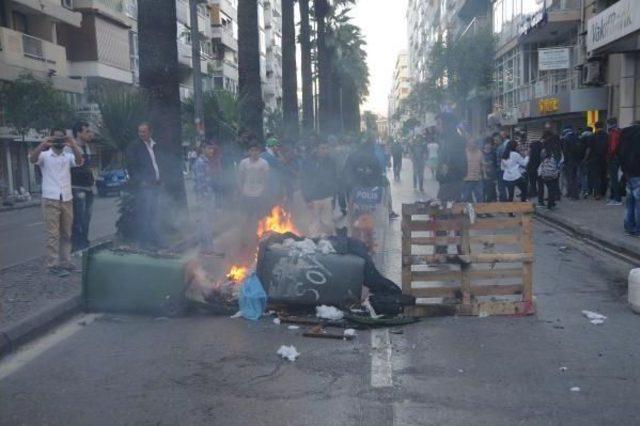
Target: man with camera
{"x": 57, "y": 205}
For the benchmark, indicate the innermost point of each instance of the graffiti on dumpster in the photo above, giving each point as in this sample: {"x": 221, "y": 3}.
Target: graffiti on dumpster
{"x": 299, "y": 277}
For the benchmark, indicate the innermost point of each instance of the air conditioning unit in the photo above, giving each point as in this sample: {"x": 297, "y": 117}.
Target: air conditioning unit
{"x": 67, "y": 3}
{"x": 593, "y": 72}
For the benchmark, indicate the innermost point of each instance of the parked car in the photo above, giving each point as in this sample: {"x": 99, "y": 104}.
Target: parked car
{"x": 111, "y": 181}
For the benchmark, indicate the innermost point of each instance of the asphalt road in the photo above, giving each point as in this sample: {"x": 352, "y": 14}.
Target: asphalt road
{"x": 116, "y": 370}
{"x": 22, "y": 231}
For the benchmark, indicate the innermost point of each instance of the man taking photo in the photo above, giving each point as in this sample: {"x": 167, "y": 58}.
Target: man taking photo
{"x": 57, "y": 206}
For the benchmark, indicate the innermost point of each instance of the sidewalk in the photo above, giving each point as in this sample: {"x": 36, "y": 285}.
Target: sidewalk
{"x": 594, "y": 220}
{"x": 35, "y": 201}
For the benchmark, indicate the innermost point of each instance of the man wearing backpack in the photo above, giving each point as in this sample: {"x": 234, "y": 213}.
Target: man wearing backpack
{"x": 573, "y": 152}
{"x": 629, "y": 154}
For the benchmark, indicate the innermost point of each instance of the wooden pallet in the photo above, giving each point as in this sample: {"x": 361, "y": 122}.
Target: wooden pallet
{"x": 482, "y": 254}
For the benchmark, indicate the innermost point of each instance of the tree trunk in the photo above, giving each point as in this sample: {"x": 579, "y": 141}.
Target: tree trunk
{"x": 159, "y": 76}
{"x": 321, "y": 9}
{"x": 305, "y": 66}
{"x": 289, "y": 72}
{"x": 249, "y": 84}
{"x": 350, "y": 106}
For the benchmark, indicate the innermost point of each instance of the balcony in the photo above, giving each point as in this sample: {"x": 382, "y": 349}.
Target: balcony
{"x": 116, "y": 10}
{"x": 551, "y": 84}
{"x": 225, "y": 68}
{"x": 31, "y": 53}
{"x": 54, "y": 9}
{"x": 225, "y": 35}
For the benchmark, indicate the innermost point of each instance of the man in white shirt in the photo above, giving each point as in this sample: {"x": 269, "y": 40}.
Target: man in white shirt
{"x": 57, "y": 205}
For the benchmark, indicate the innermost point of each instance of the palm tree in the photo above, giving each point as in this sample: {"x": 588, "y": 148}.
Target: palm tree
{"x": 305, "y": 67}
{"x": 289, "y": 71}
{"x": 159, "y": 76}
{"x": 121, "y": 110}
{"x": 249, "y": 85}
{"x": 321, "y": 9}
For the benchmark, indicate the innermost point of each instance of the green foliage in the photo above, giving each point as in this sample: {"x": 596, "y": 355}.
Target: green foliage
{"x": 459, "y": 69}
{"x": 121, "y": 110}
{"x": 34, "y": 104}
{"x": 275, "y": 122}
{"x": 409, "y": 124}
{"x": 125, "y": 224}
{"x": 370, "y": 122}
{"x": 221, "y": 115}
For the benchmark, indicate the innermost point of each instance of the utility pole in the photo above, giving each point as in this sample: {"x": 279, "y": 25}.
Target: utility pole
{"x": 197, "y": 72}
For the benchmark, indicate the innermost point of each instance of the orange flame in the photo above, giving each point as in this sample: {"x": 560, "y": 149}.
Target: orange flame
{"x": 237, "y": 273}
{"x": 278, "y": 221}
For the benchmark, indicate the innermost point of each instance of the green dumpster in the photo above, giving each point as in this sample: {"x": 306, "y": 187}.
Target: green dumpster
{"x": 130, "y": 282}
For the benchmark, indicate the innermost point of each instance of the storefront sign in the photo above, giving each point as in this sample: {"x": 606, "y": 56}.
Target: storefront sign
{"x": 553, "y": 59}
{"x": 548, "y": 105}
{"x": 613, "y": 23}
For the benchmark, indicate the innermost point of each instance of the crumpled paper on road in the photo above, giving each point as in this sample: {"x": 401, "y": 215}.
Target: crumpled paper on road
{"x": 329, "y": 313}
{"x": 288, "y": 352}
{"x": 594, "y": 317}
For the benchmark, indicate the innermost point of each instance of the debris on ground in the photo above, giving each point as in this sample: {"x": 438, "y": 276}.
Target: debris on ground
{"x": 396, "y": 331}
{"x": 575, "y": 389}
{"x": 294, "y": 327}
{"x": 253, "y": 299}
{"x": 288, "y": 352}
{"x": 237, "y": 315}
{"x": 563, "y": 368}
{"x": 329, "y": 312}
{"x": 594, "y": 317}
{"x": 276, "y": 321}
{"x": 320, "y": 332}
{"x": 350, "y": 332}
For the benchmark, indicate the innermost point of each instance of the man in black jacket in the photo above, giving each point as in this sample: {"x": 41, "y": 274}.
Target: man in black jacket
{"x": 573, "y": 151}
{"x": 82, "y": 182}
{"x": 629, "y": 154}
{"x": 319, "y": 188}
{"x": 596, "y": 160}
{"x": 144, "y": 183}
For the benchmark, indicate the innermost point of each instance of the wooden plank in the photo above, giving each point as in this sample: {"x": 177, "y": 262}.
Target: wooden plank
{"x": 459, "y": 208}
{"x": 497, "y": 308}
{"x": 496, "y": 257}
{"x": 497, "y": 273}
{"x": 431, "y": 292}
{"x": 527, "y": 268}
{"x": 496, "y": 290}
{"x": 465, "y": 252}
{"x": 497, "y": 223}
{"x": 435, "y": 225}
{"x": 496, "y": 239}
{"x": 429, "y": 259}
{"x": 436, "y": 241}
{"x": 435, "y": 276}
{"x": 406, "y": 251}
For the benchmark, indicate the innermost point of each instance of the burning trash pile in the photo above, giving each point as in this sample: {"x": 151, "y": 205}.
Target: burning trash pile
{"x": 292, "y": 274}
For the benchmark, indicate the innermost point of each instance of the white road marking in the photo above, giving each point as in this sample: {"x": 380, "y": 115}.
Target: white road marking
{"x": 34, "y": 224}
{"x": 31, "y": 351}
{"x": 381, "y": 371}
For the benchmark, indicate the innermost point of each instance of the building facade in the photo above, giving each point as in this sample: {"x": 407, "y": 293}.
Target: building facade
{"x": 399, "y": 91}
{"x": 540, "y": 64}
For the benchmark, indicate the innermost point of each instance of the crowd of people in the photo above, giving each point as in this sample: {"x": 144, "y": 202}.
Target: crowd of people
{"x": 599, "y": 163}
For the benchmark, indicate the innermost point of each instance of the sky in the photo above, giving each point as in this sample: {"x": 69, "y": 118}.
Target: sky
{"x": 384, "y": 25}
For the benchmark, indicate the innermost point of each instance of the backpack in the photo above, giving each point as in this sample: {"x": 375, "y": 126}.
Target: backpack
{"x": 549, "y": 168}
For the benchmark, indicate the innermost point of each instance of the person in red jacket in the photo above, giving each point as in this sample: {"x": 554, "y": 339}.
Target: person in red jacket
{"x": 613, "y": 161}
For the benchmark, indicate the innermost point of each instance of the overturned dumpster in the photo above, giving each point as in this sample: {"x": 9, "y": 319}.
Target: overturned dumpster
{"x": 126, "y": 281}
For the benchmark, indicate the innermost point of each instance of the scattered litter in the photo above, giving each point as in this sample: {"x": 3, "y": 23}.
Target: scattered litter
{"x": 306, "y": 247}
{"x": 594, "y": 317}
{"x": 292, "y": 327}
{"x": 449, "y": 204}
{"x": 329, "y": 312}
{"x": 350, "y": 332}
{"x": 563, "y": 368}
{"x": 276, "y": 321}
{"x": 396, "y": 331}
{"x": 253, "y": 299}
{"x": 483, "y": 314}
{"x": 575, "y": 389}
{"x": 237, "y": 315}
{"x": 161, "y": 319}
{"x": 288, "y": 352}
{"x": 369, "y": 308}
{"x": 460, "y": 370}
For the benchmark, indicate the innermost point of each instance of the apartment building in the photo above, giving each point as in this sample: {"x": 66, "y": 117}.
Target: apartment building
{"x": 613, "y": 48}
{"x": 30, "y": 42}
{"x": 272, "y": 78}
{"x": 224, "y": 26}
{"x": 539, "y": 66}
{"x": 399, "y": 91}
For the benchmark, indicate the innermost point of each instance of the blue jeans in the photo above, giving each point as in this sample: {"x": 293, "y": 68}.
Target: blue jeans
{"x": 471, "y": 190}
{"x": 82, "y": 209}
{"x": 632, "y": 218}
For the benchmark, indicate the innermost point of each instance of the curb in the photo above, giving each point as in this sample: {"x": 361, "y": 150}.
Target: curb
{"x": 626, "y": 251}
{"x": 38, "y": 322}
{"x": 20, "y": 206}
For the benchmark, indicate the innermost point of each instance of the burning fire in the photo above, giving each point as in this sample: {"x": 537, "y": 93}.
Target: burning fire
{"x": 237, "y": 273}
{"x": 278, "y": 221}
